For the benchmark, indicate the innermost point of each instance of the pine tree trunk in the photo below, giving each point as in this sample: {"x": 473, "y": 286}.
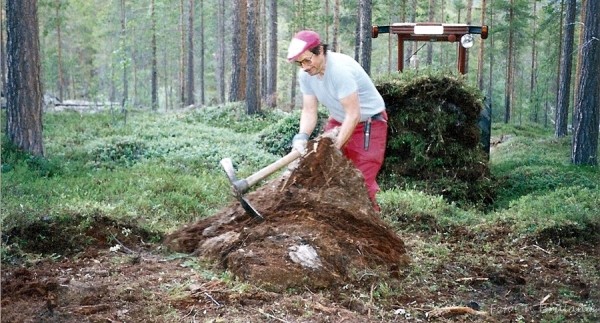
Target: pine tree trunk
{"x": 237, "y": 90}
{"x": 59, "y": 66}
{"x": 564, "y": 76}
{"x": 252, "y": 64}
{"x": 271, "y": 54}
{"x": 336, "y": 26}
{"x": 365, "y": 27}
{"x": 154, "y": 71}
{"x": 181, "y": 53}
{"x": 533, "y": 77}
{"x": 125, "y": 97}
{"x": 481, "y": 49}
{"x": 24, "y": 87}
{"x": 508, "y": 91}
{"x": 220, "y": 57}
{"x": 469, "y": 20}
{"x": 587, "y": 108}
{"x": 201, "y": 60}
{"x": 430, "y": 16}
{"x": 190, "y": 100}
{"x": 3, "y": 50}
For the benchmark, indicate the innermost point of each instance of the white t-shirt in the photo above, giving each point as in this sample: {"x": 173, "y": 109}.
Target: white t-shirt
{"x": 343, "y": 76}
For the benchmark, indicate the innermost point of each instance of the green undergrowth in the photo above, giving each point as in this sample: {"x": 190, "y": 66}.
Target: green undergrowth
{"x": 161, "y": 170}
{"x": 541, "y": 195}
{"x": 158, "y": 170}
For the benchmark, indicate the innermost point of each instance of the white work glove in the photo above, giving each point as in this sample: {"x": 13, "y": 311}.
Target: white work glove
{"x": 299, "y": 142}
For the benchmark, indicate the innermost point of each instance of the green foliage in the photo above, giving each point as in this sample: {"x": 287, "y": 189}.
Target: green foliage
{"x": 233, "y": 116}
{"x": 12, "y": 156}
{"x": 563, "y": 216}
{"x": 421, "y": 211}
{"x": 539, "y": 194}
{"x": 117, "y": 152}
{"x": 277, "y": 139}
{"x": 539, "y": 190}
{"x": 157, "y": 169}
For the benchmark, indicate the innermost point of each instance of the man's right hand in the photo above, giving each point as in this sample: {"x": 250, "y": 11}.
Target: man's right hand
{"x": 299, "y": 142}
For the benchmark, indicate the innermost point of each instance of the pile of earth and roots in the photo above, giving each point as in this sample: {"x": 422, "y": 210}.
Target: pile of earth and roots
{"x": 319, "y": 229}
{"x": 434, "y": 138}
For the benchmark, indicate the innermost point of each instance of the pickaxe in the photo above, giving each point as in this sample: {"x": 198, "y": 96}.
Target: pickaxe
{"x": 241, "y": 186}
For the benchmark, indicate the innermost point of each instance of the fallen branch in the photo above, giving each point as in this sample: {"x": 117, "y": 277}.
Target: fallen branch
{"x": 468, "y": 279}
{"x": 212, "y": 299}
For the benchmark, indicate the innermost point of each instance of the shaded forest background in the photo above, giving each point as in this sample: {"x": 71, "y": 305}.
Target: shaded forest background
{"x": 193, "y": 52}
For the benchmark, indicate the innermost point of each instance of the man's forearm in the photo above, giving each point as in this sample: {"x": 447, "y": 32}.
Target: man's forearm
{"x": 308, "y": 120}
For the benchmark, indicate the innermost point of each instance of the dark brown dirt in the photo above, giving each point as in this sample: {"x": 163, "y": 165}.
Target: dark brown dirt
{"x": 320, "y": 230}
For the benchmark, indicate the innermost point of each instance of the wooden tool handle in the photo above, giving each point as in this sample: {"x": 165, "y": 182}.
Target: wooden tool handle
{"x": 270, "y": 169}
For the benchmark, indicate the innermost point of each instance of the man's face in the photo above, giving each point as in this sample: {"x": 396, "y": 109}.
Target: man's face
{"x": 310, "y": 63}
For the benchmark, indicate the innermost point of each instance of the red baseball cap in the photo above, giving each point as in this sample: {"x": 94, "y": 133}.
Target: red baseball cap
{"x": 302, "y": 41}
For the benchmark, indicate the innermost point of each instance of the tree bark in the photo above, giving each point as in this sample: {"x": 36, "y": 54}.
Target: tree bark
{"x": 61, "y": 83}
{"x": 202, "y": 51}
{"x": 252, "y": 79}
{"x": 125, "y": 98}
{"x": 190, "y": 99}
{"x": 468, "y": 21}
{"x": 2, "y": 50}
{"x": 154, "y": 68}
{"x": 220, "y": 57}
{"x": 365, "y": 27}
{"x": 564, "y": 76}
{"x": 24, "y": 87}
{"x": 181, "y": 53}
{"x": 533, "y": 73}
{"x": 237, "y": 89}
{"x": 272, "y": 54}
{"x": 336, "y": 26}
{"x": 508, "y": 90}
{"x": 430, "y": 17}
{"x": 587, "y": 107}
{"x": 481, "y": 49}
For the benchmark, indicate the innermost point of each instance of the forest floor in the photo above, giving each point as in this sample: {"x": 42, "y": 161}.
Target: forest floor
{"x": 433, "y": 273}
{"x": 517, "y": 281}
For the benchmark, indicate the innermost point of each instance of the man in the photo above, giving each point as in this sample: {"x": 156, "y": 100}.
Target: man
{"x": 355, "y": 106}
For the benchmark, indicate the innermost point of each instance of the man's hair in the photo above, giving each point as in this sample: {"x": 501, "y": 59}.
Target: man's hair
{"x": 317, "y": 49}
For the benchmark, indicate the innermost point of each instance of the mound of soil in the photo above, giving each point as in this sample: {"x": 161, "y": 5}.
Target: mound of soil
{"x": 434, "y": 138}
{"x": 320, "y": 229}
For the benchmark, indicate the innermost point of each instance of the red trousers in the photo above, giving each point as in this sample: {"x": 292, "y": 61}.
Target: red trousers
{"x": 367, "y": 161}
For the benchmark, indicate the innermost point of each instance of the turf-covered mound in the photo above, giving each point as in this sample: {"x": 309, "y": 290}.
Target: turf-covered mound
{"x": 434, "y": 137}
{"x": 319, "y": 230}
